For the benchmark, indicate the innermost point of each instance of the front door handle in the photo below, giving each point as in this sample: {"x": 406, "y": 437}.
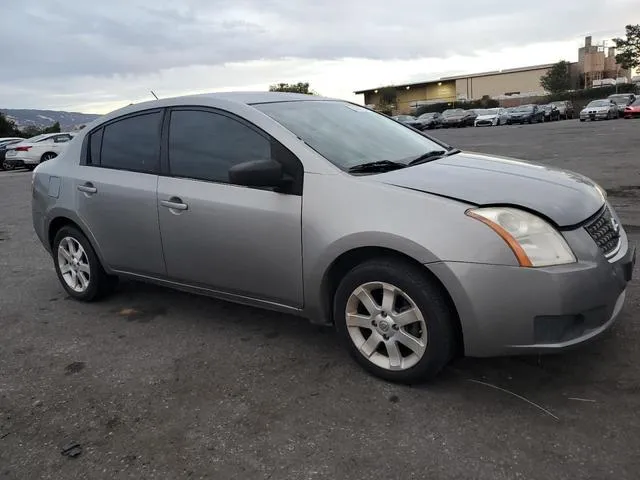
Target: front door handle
{"x": 174, "y": 203}
{"x": 87, "y": 188}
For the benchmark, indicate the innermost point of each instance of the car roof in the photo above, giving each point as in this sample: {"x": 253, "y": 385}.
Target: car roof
{"x": 215, "y": 100}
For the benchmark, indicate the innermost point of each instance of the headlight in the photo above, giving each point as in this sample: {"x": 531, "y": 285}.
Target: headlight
{"x": 534, "y": 242}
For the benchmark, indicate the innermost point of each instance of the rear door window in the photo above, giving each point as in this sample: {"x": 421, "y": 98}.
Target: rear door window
{"x": 132, "y": 143}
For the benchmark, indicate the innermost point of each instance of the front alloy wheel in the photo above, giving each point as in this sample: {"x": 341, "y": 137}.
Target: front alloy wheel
{"x": 386, "y": 326}
{"x": 394, "y": 320}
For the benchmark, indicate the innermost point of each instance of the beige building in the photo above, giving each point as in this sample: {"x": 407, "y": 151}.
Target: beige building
{"x": 593, "y": 63}
{"x": 463, "y": 87}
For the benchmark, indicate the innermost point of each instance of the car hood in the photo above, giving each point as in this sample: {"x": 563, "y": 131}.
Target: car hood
{"x": 454, "y": 117}
{"x": 596, "y": 109}
{"x": 491, "y": 116}
{"x": 565, "y": 197}
{"x": 521, "y": 114}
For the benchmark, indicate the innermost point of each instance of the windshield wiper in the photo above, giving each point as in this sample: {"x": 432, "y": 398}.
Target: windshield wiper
{"x": 379, "y": 166}
{"x": 433, "y": 155}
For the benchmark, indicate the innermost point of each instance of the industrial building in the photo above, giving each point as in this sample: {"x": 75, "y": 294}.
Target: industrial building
{"x": 595, "y": 62}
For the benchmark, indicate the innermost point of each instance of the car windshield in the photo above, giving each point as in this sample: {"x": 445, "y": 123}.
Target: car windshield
{"x": 481, "y": 111}
{"x": 524, "y": 108}
{"x": 599, "y": 103}
{"x": 491, "y": 111}
{"x": 348, "y": 135}
{"x": 452, "y": 112}
{"x": 427, "y": 115}
{"x": 636, "y": 102}
{"x": 404, "y": 117}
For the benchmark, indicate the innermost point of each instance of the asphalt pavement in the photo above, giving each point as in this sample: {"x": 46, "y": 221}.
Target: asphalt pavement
{"x": 153, "y": 383}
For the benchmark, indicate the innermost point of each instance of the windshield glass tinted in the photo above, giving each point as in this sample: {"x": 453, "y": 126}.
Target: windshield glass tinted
{"x": 452, "y": 112}
{"x": 426, "y": 116}
{"x": 524, "y": 108}
{"x": 347, "y": 134}
{"x": 599, "y": 103}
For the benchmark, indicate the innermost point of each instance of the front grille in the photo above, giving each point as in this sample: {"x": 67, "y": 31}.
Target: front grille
{"x": 605, "y": 231}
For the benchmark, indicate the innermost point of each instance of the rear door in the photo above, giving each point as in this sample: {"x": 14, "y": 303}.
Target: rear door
{"x": 116, "y": 192}
{"x": 239, "y": 240}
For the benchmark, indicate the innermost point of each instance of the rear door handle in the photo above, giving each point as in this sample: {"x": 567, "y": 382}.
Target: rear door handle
{"x": 174, "y": 203}
{"x": 88, "y": 188}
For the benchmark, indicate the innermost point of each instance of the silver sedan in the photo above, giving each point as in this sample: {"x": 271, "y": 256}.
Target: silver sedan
{"x": 414, "y": 251}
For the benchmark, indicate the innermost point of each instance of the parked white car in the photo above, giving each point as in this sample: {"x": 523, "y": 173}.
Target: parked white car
{"x": 492, "y": 117}
{"x": 36, "y": 150}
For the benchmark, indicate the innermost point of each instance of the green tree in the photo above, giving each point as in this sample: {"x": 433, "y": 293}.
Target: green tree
{"x": 55, "y": 128}
{"x": 557, "y": 79}
{"x": 7, "y": 127}
{"x": 300, "y": 87}
{"x": 628, "y": 49}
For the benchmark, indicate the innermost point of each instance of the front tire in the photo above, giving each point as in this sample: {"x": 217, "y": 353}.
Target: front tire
{"x": 394, "y": 321}
{"x": 78, "y": 267}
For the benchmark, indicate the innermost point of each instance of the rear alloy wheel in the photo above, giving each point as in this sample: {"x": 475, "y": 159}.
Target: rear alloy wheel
{"x": 394, "y": 321}
{"x": 47, "y": 156}
{"x": 78, "y": 267}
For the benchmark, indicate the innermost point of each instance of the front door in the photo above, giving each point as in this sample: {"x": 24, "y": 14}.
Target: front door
{"x": 116, "y": 192}
{"x": 239, "y": 240}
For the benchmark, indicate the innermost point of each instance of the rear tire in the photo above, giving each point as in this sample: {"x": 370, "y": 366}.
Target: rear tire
{"x": 47, "y": 156}
{"x": 406, "y": 332}
{"x": 78, "y": 267}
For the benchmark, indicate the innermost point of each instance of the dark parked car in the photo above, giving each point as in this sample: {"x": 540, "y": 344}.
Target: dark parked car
{"x": 527, "y": 114}
{"x": 458, "y": 117}
{"x": 430, "y": 120}
{"x": 5, "y": 144}
{"x": 622, "y": 100}
{"x": 565, "y": 107}
{"x": 551, "y": 112}
{"x": 408, "y": 120}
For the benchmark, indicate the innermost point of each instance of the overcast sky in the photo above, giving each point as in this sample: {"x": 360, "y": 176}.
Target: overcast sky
{"x": 95, "y": 56}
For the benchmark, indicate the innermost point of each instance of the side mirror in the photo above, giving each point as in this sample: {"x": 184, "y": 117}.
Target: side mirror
{"x": 257, "y": 173}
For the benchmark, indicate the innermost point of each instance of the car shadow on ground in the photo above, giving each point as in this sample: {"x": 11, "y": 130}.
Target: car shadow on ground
{"x": 592, "y": 369}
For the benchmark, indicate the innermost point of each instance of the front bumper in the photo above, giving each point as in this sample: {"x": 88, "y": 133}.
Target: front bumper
{"x": 594, "y": 116}
{"x": 486, "y": 123}
{"x": 506, "y": 310}
{"x": 632, "y": 114}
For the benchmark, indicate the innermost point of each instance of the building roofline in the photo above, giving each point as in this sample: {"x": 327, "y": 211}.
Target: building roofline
{"x": 460, "y": 77}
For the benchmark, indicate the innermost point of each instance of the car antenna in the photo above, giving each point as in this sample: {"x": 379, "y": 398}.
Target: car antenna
{"x": 154, "y": 94}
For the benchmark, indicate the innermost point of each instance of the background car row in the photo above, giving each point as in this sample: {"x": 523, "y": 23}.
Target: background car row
{"x": 615, "y": 106}
{"x": 29, "y": 153}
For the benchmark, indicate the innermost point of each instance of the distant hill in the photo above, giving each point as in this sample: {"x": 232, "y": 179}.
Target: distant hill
{"x": 46, "y": 118}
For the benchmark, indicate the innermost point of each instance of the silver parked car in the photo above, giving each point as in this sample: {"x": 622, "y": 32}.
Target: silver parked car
{"x": 599, "y": 110}
{"x": 414, "y": 250}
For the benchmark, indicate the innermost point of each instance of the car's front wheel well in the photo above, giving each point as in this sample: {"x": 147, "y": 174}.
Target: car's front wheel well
{"x": 348, "y": 260}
